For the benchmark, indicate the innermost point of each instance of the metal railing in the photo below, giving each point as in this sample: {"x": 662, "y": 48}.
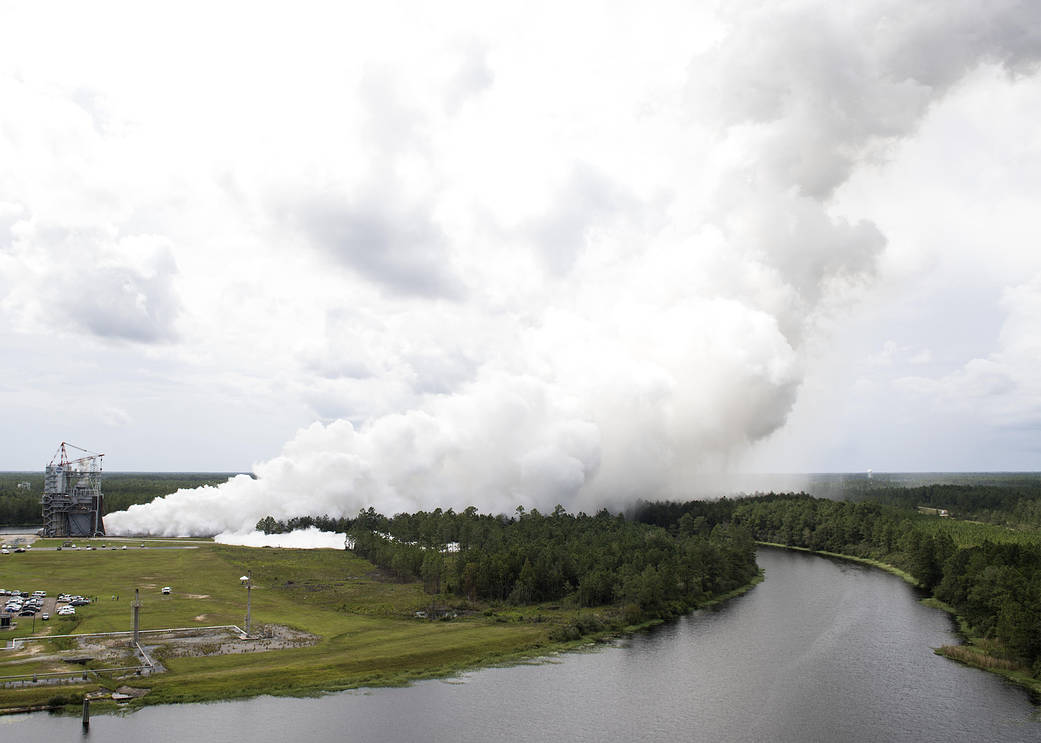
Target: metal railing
{"x": 16, "y": 642}
{"x": 148, "y": 665}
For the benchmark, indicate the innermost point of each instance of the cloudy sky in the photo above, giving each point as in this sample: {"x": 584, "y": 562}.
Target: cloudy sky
{"x": 555, "y": 252}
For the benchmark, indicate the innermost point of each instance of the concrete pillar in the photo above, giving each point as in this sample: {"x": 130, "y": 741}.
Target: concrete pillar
{"x": 137, "y": 609}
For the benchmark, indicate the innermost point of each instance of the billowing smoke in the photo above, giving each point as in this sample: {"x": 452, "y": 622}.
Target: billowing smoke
{"x": 664, "y": 332}
{"x": 310, "y": 538}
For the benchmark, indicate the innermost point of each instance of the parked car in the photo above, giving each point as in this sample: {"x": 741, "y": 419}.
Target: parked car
{"x": 167, "y": 590}
{"x": 45, "y": 616}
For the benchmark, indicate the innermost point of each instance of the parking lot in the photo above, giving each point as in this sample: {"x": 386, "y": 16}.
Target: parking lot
{"x": 22, "y": 605}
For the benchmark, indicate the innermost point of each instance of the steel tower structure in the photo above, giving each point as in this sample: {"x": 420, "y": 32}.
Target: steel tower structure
{"x": 73, "y": 505}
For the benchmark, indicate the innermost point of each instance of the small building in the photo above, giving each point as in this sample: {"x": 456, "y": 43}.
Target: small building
{"x": 929, "y": 511}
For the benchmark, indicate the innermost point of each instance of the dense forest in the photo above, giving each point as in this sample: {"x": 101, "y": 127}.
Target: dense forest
{"x": 20, "y": 491}
{"x": 991, "y": 577}
{"x": 1017, "y": 503}
{"x": 532, "y": 558}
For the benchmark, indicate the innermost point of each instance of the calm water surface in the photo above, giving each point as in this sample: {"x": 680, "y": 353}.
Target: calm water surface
{"x": 823, "y": 650}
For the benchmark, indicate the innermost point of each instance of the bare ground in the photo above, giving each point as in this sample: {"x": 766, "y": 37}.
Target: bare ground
{"x": 119, "y": 652}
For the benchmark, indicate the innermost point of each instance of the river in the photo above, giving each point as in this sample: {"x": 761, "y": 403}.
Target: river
{"x": 823, "y": 650}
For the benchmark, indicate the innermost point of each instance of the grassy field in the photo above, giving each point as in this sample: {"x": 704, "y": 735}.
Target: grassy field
{"x": 367, "y": 632}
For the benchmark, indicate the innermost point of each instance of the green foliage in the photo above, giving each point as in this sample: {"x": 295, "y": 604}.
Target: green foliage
{"x": 365, "y": 632}
{"x": 531, "y": 557}
{"x": 989, "y": 575}
{"x": 594, "y": 560}
{"x": 1014, "y": 503}
{"x": 61, "y": 700}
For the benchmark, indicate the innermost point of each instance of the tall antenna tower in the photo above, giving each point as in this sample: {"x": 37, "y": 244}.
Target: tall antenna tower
{"x": 73, "y": 505}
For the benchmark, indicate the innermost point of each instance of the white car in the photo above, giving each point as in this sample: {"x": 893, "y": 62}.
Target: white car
{"x": 66, "y": 611}
{"x": 167, "y": 590}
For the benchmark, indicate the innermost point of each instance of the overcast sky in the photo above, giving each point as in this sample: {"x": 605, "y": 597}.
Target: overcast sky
{"x": 562, "y": 252}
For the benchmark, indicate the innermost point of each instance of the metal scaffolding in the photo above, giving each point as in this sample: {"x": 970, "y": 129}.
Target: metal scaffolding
{"x": 73, "y": 505}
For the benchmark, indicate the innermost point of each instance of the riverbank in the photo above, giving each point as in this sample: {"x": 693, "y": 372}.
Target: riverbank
{"x": 366, "y": 627}
{"x": 980, "y": 652}
{"x": 976, "y": 652}
{"x": 903, "y": 575}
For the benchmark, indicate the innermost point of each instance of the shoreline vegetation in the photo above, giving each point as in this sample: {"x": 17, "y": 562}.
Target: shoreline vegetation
{"x": 980, "y": 560}
{"x": 371, "y": 625}
{"x": 902, "y": 574}
{"x": 976, "y": 652}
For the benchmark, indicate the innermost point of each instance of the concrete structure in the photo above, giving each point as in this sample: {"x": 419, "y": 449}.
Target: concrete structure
{"x": 73, "y": 505}
{"x": 137, "y": 619}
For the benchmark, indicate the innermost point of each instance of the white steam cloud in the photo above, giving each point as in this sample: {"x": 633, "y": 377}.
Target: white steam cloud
{"x": 310, "y": 538}
{"x": 661, "y": 333}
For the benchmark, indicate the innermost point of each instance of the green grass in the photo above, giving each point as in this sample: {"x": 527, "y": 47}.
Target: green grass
{"x": 985, "y": 654}
{"x": 365, "y": 624}
{"x": 367, "y": 632}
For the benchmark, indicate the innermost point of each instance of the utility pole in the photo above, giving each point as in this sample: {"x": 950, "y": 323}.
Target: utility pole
{"x": 137, "y": 609}
{"x": 249, "y": 592}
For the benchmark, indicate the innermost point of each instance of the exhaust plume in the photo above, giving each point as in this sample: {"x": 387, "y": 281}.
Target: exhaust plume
{"x": 632, "y": 337}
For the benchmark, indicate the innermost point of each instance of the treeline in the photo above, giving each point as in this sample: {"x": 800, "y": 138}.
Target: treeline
{"x": 21, "y": 506}
{"x": 1017, "y": 504}
{"x": 995, "y": 587}
{"x": 269, "y": 525}
{"x": 533, "y": 558}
